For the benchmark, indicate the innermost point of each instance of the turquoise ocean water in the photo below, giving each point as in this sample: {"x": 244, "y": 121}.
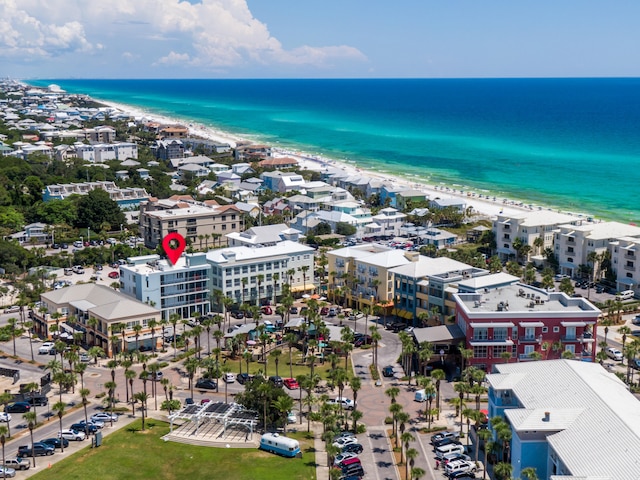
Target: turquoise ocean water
{"x": 571, "y": 144}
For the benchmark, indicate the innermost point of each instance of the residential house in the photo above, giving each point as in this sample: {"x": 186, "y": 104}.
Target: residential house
{"x": 260, "y": 236}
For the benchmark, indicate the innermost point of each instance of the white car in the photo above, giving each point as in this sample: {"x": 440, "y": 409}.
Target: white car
{"x": 72, "y": 435}
{"x": 229, "y": 377}
{"x": 291, "y": 417}
{"x": 346, "y": 403}
{"x": 614, "y": 354}
{"x": 342, "y": 442}
{"x": 459, "y": 466}
{"x": 45, "y": 348}
{"x": 5, "y": 417}
{"x": 104, "y": 417}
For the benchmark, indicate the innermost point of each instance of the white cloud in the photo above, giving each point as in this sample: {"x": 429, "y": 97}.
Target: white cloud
{"x": 212, "y": 34}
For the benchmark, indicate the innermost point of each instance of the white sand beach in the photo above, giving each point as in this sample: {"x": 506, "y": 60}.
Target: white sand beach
{"x": 483, "y": 205}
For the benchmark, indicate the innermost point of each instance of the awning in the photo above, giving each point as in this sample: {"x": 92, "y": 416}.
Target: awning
{"x": 385, "y": 305}
{"x": 531, "y": 324}
{"x": 492, "y": 325}
{"x": 573, "y": 324}
{"x": 82, "y": 305}
{"x": 489, "y": 343}
{"x": 302, "y": 288}
{"x": 404, "y": 314}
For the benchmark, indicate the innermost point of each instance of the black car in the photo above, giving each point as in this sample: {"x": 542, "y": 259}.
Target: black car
{"x": 56, "y": 442}
{"x": 352, "y": 448}
{"x": 277, "y": 381}
{"x": 40, "y": 449}
{"x": 237, "y": 314}
{"x": 18, "y": 407}
{"x": 84, "y": 427}
{"x": 463, "y": 475}
{"x": 388, "y": 371}
{"x": 206, "y": 384}
{"x": 294, "y": 310}
{"x": 354, "y": 469}
{"x": 244, "y": 378}
{"x": 445, "y": 441}
{"x": 396, "y": 327}
{"x": 362, "y": 340}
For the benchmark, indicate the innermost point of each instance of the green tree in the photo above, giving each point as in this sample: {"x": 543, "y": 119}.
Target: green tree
{"x": 31, "y": 418}
{"x": 96, "y": 208}
{"x": 283, "y": 404}
{"x": 59, "y": 409}
{"x": 142, "y": 397}
{"x": 3, "y": 440}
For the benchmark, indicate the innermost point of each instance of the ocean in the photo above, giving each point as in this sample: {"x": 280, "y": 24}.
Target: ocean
{"x": 569, "y": 144}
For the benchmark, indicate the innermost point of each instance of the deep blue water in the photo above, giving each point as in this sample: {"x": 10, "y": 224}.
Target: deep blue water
{"x": 567, "y": 143}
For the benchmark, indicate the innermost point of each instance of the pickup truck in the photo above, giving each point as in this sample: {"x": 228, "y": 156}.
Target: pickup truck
{"x": 17, "y": 463}
{"x": 40, "y": 449}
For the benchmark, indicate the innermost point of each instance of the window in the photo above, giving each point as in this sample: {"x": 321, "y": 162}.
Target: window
{"x": 570, "y": 348}
{"x": 499, "y": 333}
{"x": 480, "y": 352}
{"x": 545, "y": 329}
{"x": 530, "y": 332}
{"x": 556, "y": 329}
{"x": 529, "y": 349}
{"x": 570, "y": 332}
{"x": 498, "y": 350}
{"x": 224, "y": 227}
{"x": 480, "y": 334}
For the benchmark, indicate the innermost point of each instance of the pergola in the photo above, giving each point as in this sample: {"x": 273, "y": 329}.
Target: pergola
{"x": 225, "y": 413}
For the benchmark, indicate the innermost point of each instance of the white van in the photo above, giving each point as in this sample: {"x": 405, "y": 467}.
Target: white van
{"x": 625, "y": 295}
{"x": 420, "y": 396}
{"x": 447, "y": 449}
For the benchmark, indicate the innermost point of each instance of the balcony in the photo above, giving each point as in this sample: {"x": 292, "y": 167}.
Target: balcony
{"x": 528, "y": 339}
{"x": 525, "y": 357}
{"x": 630, "y": 254}
{"x": 630, "y": 268}
{"x": 570, "y": 339}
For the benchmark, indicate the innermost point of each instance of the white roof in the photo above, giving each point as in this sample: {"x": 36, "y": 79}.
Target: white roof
{"x": 242, "y": 253}
{"x": 598, "y": 418}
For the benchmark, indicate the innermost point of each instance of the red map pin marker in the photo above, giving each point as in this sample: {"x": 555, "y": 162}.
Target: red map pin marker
{"x": 173, "y": 245}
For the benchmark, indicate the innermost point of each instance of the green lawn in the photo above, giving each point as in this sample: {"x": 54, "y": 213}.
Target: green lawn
{"x": 144, "y": 455}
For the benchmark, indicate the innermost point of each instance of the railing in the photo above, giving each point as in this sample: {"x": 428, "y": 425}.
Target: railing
{"x": 570, "y": 338}
{"x": 524, "y": 357}
{"x": 528, "y": 339}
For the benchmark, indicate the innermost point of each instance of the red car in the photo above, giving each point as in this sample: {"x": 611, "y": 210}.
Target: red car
{"x": 291, "y": 383}
{"x": 114, "y": 275}
{"x": 324, "y": 311}
{"x": 266, "y": 310}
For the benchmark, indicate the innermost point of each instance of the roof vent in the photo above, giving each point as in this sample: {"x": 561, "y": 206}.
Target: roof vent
{"x": 547, "y": 417}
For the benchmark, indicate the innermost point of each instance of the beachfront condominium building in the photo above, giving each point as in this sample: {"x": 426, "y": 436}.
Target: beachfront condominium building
{"x": 361, "y": 275}
{"x": 124, "y": 197}
{"x": 197, "y": 222}
{"x": 589, "y": 245}
{"x": 423, "y": 288}
{"x": 168, "y": 149}
{"x": 182, "y": 289}
{"x": 527, "y": 228}
{"x": 567, "y": 419}
{"x": 519, "y": 323}
{"x": 97, "y": 314}
{"x": 252, "y": 274}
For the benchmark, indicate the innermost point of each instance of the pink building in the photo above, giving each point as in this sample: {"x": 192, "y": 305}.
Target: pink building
{"x": 521, "y": 320}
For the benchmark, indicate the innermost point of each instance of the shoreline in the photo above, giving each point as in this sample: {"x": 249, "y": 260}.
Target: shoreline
{"x": 483, "y": 202}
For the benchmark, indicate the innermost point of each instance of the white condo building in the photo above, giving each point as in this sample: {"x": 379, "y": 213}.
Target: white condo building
{"x": 254, "y": 273}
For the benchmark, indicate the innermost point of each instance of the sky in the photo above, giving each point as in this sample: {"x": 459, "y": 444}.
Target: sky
{"x": 318, "y": 39}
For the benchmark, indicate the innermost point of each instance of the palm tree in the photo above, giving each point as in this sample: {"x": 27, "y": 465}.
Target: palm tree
{"x": 84, "y": 393}
{"x": 284, "y": 404}
{"x": 438, "y": 375}
{"x": 174, "y": 318}
{"x": 624, "y": 331}
{"x": 31, "y": 418}
{"x": 153, "y": 324}
{"x": 3, "y": 440}
{"x": 142, "y": 397}
{"x": 276, "y": 354}
{"x": 58, "y": 408}
{"x": 503, "y": 470}
{"x": 191, "y": 365}
{"x": 529, "y": 473}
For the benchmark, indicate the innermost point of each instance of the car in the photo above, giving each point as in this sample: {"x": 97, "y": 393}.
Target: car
{"x": 445, "y": 441}
{"x": 111, "y": 241}
{"x": 451, "y": 457}
{"x": 635, "y": 363}
{"x": 204, "y": 401}
{"x": 462, "y": 475}
{"x": 104, "y": 417}
{"x": 189, "y": 401}
{"x": 244, "y": 378}
{"x": 206, "y": 384}
{"x": 304, "y": 311}
{"x": 78, "y": 244}
{"x": 84, "y": 358}
{"x": 560, "y": 277}
{"x": 353, "y": 447}
{"x": 614, "y": 354}
{"x": 56, "y": 442}
{"x": 291, "y": 417}
{"x": 344, "y": 434}
{"x": 324, "y": 311}
{"x": 388, "y": 371}
{"x": 237, "y": 314}
{"x": 114, "y": 275}
{"x": 5, "y": 417}
{"x": 341, "y": 442}
{"x": 86, "y": 428}
{"x": 276, "y": 380}
{"x": 362, "y": 340}
{"x": 38, "y": 401}
{"x": 156, "y": 376}
{"x": 267, "y": 310}
{"x": 346, "y": 403}
{"x": 459, "y": 466}
{"x": 333, "y": 312}
{"x": 291, "y": 383}
{"x": 293, "y": 310}
{"x": 17, "y": 463}
{"x": 39, "y": 450}
{"x": 343, "y": 456}
{"x": 396, "y": 327}
{"x": 75, "y": 435}
{"x": 229, "y": 377}
{"x": 636, "y": 320}
{"x": 7, "y": 472}
{"x": 17, "y": 407}
{"x": 446, "y": 434}
{"x": 45, "y": 348}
